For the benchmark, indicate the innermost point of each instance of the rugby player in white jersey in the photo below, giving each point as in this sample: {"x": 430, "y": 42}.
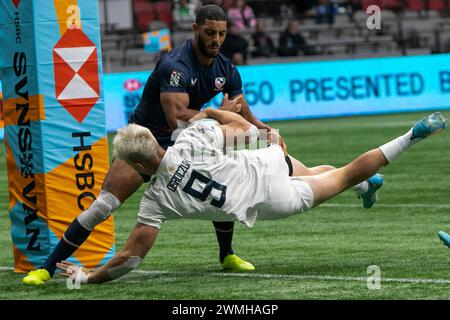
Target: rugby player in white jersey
{"x": 198, "y": 178}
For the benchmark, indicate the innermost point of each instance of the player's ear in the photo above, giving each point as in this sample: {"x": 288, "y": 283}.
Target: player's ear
{"x": 194, "y": 27}
{"x": 140, "y": 167}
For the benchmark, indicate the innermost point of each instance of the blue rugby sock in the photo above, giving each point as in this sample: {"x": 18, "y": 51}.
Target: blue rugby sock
{"x": 224, "y": 233}
{"x": 74, "y": 237}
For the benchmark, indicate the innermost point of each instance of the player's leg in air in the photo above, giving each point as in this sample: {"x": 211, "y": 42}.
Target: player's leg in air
{"x": 367, "y": 190}
{"x": 291, "y": 195}
{"x": 331, "y": 183}
{"x": 120, "y": 183}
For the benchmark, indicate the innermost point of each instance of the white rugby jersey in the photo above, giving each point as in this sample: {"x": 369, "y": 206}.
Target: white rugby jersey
{"x": 197, "y": 179}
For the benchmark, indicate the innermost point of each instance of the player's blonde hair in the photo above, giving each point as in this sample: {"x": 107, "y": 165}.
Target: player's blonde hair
{"x": 134, "y": 143}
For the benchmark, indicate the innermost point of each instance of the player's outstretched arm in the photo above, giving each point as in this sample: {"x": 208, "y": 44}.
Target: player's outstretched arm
{"x": 138, "y": 244}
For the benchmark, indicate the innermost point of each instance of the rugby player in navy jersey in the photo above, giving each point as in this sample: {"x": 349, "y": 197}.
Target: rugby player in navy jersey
{"x": 181, "y": 83}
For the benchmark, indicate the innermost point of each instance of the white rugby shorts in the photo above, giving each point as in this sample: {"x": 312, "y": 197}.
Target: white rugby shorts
{"x": 286, "y": 195}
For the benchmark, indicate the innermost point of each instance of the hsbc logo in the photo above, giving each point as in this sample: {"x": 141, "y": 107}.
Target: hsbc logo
{"x": 132, "y": 85}
{"x": 77, "y": 86}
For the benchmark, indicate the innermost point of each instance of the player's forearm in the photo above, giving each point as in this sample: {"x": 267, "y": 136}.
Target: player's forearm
{"x": 128, "y": 259}
{"x": 182, "y": 114}
{"x": 264, "y": 129}
{"x": 175, "y": 106}
{"x": 249, "y": 116}
{"x": 257, "y": 123}
{"x": 99, "y": 277}
{"x": 102, "y": 274}
{"x": 185, "y": 114}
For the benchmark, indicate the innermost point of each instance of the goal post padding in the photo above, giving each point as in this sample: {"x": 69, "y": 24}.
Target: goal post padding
{"x": 55, "y": 127}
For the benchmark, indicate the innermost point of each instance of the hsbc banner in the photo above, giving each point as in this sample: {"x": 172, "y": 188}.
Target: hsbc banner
{"x": 54, "y": 125}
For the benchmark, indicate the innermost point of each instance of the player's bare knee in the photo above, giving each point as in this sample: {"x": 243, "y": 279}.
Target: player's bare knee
{"x": 99, "y": 211}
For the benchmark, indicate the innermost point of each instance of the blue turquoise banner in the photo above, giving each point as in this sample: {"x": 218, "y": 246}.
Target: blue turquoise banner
{"x": 316, "y": 89}
{"x": 351, "y": 87}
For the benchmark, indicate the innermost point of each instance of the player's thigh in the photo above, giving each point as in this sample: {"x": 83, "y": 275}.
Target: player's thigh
{"x": 298, "y": 168}
{"x": 122, "y": 180}
{"x": 286, "y": 197}
{"x": 326, "y": 185}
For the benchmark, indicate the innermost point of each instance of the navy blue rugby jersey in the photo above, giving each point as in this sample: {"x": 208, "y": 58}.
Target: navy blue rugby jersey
{"x": 179, "y": 71}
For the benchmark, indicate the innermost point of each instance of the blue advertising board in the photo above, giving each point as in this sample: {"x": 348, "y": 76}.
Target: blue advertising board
{"x": 316, "y": 89}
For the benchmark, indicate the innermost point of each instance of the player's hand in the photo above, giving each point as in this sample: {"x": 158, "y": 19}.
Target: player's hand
{"x": 231, "y": 105}
{"x": 283, "y": 145}
{"x": 198, "y": 116}
{"x": 70, "y": 269}
{"x": 275, "y": 137}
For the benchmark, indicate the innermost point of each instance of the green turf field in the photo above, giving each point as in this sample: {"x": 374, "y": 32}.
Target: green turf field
{"x": 323, "y": 254}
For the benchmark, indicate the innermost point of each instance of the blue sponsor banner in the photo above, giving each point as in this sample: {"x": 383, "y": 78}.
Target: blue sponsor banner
{"x": 316, "y": 89}
{"x": 347, "y": 87}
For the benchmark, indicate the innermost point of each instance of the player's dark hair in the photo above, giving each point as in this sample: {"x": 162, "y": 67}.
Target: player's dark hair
{"x": 210, "y": 12}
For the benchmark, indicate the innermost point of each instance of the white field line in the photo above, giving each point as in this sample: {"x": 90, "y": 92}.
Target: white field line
{"x": 290, "y": 276}
{"x": 278, "y": 276}
{"x": 380, "y": 205}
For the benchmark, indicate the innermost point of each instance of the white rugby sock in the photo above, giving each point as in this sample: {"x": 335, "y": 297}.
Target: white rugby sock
{"x": 361, "y": 188}
{"x": 99, "y": 210}
{"x": 393, "y": 149}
